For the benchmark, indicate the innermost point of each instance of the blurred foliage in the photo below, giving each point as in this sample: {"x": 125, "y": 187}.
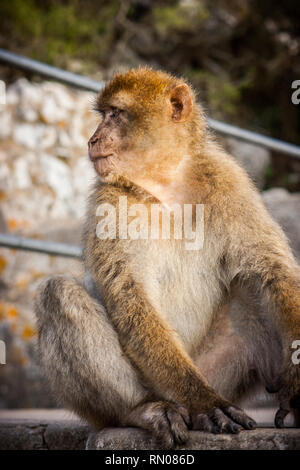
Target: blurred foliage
{"x": 240, "y": 55}
{"x": 55, "y": 31}
{"x": 182, "y": 16}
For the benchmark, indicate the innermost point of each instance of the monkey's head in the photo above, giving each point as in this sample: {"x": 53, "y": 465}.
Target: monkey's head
{"x": 149, "y": 120}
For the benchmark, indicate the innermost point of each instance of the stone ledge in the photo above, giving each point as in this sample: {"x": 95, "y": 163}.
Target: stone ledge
{"x": 70, "y": 434}
{"x": 34, "y": 434}
{"x": 259, "y": 439}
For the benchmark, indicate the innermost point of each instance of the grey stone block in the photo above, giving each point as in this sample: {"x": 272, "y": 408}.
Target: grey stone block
{"x": 259, "y": 439}
{"x": 18, "y": 434}
{"x": 70, "y": 434}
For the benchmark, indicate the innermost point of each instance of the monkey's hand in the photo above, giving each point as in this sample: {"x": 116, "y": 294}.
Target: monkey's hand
{"x": 228, "y": 419}
{"x": 288, "y": 388}
{"x": 166, "y": 421}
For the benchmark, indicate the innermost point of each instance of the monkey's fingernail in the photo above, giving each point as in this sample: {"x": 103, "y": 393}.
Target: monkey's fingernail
{"x": 251, "y": 425}
{"x": 235, "y": 428}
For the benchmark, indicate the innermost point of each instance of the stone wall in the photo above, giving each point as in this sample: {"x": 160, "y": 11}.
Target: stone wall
{"x": 44, "y": 181}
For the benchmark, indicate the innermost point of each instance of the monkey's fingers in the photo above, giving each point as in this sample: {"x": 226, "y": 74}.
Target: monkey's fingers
{"x": 203, "y": 423}
{"x": 228, "y": 420}
{"x": 240, "y": 417}
{"x": 185, "y": 415}
{"x": 178, "y": 426}
{"x": 224, "y": 423}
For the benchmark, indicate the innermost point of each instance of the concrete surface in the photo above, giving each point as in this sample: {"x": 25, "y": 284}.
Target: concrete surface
{"x": 259, "y": 439}
{"x": 60, "y": 430}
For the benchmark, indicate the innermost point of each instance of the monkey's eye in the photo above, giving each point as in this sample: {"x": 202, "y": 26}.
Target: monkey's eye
{"x": 115, "y": 112}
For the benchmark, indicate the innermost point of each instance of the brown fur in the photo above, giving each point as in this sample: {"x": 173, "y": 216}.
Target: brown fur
{"x": 178, "y": 315}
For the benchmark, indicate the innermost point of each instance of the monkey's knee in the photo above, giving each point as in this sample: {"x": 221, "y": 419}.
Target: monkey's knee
{"x": 52, "y": 294}
{"x": 81, "y": 354}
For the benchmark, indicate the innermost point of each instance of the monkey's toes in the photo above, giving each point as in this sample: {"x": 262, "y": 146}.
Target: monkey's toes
{"x": 240, "y": 417}
{"x": 168, "y": 422}
{"x": 179, "y": 421}
{"x": 228, "y": 420}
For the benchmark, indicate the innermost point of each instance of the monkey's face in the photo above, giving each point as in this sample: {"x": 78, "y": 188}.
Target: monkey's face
{"x": 142, "y": 129}
{"x": 105, "y": 145}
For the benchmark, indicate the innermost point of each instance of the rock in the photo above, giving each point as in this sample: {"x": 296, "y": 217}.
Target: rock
{"x": 26, "y": 97}
{"x": 64, "y": 436}
{"x": 285, "y": 208}
{"x": 41, "y": 125}
{"x": 22, "y": 178}
{"x": 41, "y": 196}
{"x": 3, "y": 226}
{"x": 21, "y": 378}
{"x": 51, "y": 111}
{"x": 76, "y": 131}
{"x": 5, "y": 173}
{"x": 49, "y": 429}
{"x": 6, "y": 124}
{"x": 63, "y": 97}
{"x": 21, "y": 436}
{"x": 259, "y": 439}
{"x": 37, "y": 434}
{"x": 56, "y": 175}
{"x": 253, "y": 158}
{"x": 82, "y": 179}
{"x": 34, "y": 136}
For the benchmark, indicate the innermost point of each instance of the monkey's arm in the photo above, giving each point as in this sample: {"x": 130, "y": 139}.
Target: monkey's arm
{"x": 260, "y": 255}
{"x": 153, "y": 348}
{"x": 158, "y": 355}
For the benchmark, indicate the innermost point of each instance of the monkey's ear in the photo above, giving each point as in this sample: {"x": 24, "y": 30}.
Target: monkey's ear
{"x": 182, "y": 103}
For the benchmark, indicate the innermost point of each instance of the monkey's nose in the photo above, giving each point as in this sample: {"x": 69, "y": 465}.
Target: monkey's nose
{"x": 93, "y": 140}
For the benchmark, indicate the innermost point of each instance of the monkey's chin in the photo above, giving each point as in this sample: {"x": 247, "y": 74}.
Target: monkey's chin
{"x": 105, "y": 168}
{"x": 103, "y": 165}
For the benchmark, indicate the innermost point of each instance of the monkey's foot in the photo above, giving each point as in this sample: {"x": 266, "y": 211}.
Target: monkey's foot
{"x": 287, "y": 386}
{"x": 168, "y": 422}
{"x": 230, "y": 419}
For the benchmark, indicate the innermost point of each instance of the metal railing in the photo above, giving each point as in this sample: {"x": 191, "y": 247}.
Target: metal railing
{"x": 40, "y": 246}
{"x": 48, "y": 71}
{"x": 84, "y": 83}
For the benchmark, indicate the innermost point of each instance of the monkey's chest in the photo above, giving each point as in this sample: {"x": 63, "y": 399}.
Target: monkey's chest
{"x": 183, "y": 287}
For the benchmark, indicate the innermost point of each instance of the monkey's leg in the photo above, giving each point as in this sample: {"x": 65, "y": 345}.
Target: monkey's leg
{"x": 87, "y": 369}
{"x": 240, "y": 354}
{"x": 242, "y": 349}
{"x": 225, "y": 360}
{"x": 278, "y": 279}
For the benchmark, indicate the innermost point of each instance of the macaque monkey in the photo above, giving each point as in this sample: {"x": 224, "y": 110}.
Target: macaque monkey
{"x": 159, "y": 336}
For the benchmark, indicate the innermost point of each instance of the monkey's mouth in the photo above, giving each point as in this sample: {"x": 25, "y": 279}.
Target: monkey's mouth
{"x": 102, "y": 163}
